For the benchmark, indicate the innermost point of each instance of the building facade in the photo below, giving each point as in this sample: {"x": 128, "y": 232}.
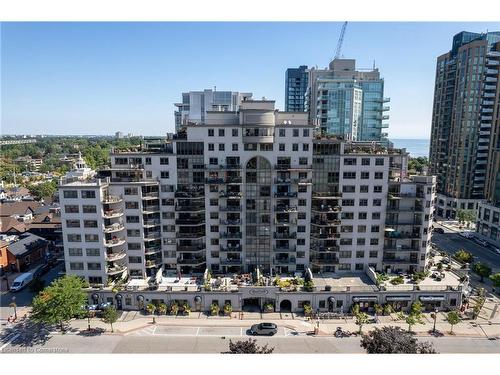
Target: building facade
{"x": 462, "y": 152}
{"x": 348, "y": 102}
{"x": 296, "y": 80}
{"x": 248, "y": 190}
{"x": 196, "y": 104}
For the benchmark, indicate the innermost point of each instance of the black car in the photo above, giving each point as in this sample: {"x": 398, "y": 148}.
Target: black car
{"x": 42, "y": 270}
{"x": 438, "y": 230}
{"x": 268, "y": 329}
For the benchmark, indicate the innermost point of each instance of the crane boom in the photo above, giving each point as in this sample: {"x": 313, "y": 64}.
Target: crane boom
{"x": 341, "y": 40}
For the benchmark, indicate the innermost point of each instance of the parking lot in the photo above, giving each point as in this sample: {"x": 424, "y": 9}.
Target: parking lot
{"x": 195, "y": 331}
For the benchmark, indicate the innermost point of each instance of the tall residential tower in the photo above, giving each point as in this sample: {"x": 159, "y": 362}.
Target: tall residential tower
{"x": 295, "y": 88}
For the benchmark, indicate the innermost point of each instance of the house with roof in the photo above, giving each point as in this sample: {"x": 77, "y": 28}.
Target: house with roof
{"x": 10, "y": 225}
{"x": 20, "y": 210}
{"x": 23, "y": 252}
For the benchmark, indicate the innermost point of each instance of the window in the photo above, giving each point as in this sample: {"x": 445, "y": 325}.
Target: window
{"x": 302, "y": 216}
{"x": 347, "y": 202}
{"x": 295, "y": 132}
{"x": 214, "y": 215}
{"x": 282, "y": 133}
{"x": 349, "y": 175}
{"x": 301, "y": 241}
{"x": 76, "y": 266}
{"x": 134, "y": 259}
{"x": 375, "y": 229}
{"x": 73, "y": 223}
{"x": 305, "y": 146}
{"x": 346, "y": 241}
{"x": 349, "y": 188}
{"x": 75, "y": 252}
{"x": 133, "y": 245}
{"x": 235, "y": 147}
{"x": 74, "y": 237}
{"x": 359, "y": 266}
{"x": 377, "y": 189}
{"x": 148, "y": 161}
{"x": 377, "y": 202}
{"x": 210, "y": 147}
{"x": 281, "y": 147}
{"x": 363, "y": 202}
{"x": 130, "y": 191}
{"x": 365, "y": 161}
{"x": 362, "y": 215}
{"x": 89, "y": 209}
{"x": 379, "y": 175}
{"x": 361, "y": 228}
{"x": 90, "y": 223}
{"x": 214, "y": 228}
{"x": 70, "y": 194}
{"x": 373, "y": 241}
{"x": 376, "y": 215}
{"x": 365, "y": 175}
{"x": 345, "y": 254}
{"x": 346, "y": 228}
{"x": 71, "y": 209}
{"x": 210, "y": 132}
{"x": 164, "y": 174}
{"x": 360, "y": 254}
{"x": 221, "y": 133}
{"x": 214, "y": 202}
{"x": 88, "y": 194}
{"x": 303, "y": 161}
{"x": 93, "y": 252}
{"x": 213, "y": 161}
{"x": 344, "y": 267}
{"x": 91, "y": 238}
{"x": 302, "y": 202}
{"x": 132, "y": 205}
{"x": 301, "y": 228}
{"x": 350, "y": 161}
{"x": 347, "y": 215}
{"x": 221, "y": 147}
{"x": 133, "y": 233}
{"x": 305, "y": 132}
{"x": 95, "y": 280}
{"x": 92, "y": 266}
{"x": 363, "y": 189}
{"x": 132, "y": 219}
{"x": 295, "y": 147}
{"x": 163, "y": 161}
{"x": 373, "y": 254}
{"x": 234, "y": 132}
{"x": 360, "y": 241}
{"x": 379, "y": 161}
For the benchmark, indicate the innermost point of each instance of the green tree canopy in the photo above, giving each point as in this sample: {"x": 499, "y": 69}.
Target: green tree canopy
{"x": 463, "y": 256}
{"x": 247, "y": 347}
{"x": 60, "y": 301}
{"x": 394, "y": 340}
{"x": 482, "y": 270}
{"x": 453, "y": 317}
{"x": 466, "y": 216}
{"x": 110, "y": 316}
{"x": 495, "y": 278}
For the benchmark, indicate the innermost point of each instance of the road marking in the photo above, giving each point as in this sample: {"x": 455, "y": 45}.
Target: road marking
{"x": 198, "y": 331}
{"x": 10, "y": 340}
{"x": 241, "y": 331}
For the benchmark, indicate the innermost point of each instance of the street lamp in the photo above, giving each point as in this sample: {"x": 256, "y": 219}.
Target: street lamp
{"x": 435, "y": 317}
{"x": 88, "y": 316}
{"x": 14, "y": 305}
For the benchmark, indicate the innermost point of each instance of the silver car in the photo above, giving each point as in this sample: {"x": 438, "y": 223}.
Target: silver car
{"x": 264, "y": 329}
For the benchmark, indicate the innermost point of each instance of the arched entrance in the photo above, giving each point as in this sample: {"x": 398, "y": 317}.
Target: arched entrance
{"x": 285, "y": 306}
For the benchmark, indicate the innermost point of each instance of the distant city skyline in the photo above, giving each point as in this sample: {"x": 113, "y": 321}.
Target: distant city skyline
{"x": 100, "y": 78}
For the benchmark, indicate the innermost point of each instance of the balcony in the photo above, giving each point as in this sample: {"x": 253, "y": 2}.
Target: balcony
{"x": 236, "y": 235}
{"x": 230, "y": 222}
{"x": 191, "y": 261}
{"x": 230, "y": 194}
{"x": 151, "y": 223}
{"x": 285, "y": 167}
{"x": 400, "y": 248}
{"x": 150, "y": 195}
{"x": 285, "y": 208}
{"x": 324, "y": 208}
{"x": 327, "y": 195}
{"x": 214, "y": 180}
{"x": 324, "y": 249}
{"x": 325, "y": 236}
{"x": 191, "y": 249}
{"x": 153, "y": 263}
{"x": 285, "y": 261}
{"x": 230, "y": 248}
{"x": 111, "y": 257}
{"x": 285, "y": 235}
{"x": 285, "y": 222}
{"x": 110, "y": 199}
{"x": 399, "y": 261}
{"x": 325, "y": 260}
{"x": 233, "y": 180}
{"x": 230, "y": 208}
{"x": 152, "y": 236}
{"x": 403, "y": 222}
{"x": 192, "y": 221}
{"x": 325, "y": 223}
{"x": 402, "y": 235}
{"x": 285, "y": 194}
{"x": 116, "y": 227}
{"x": 112, "y": 214}
{"x": 114, "y": 242}
{"x": 283, "y": 181}
{"x": 392, "y": 208}
{"x": 116, "y": 270}
{"x": 150, "y": 209}
{"x": 284, "y": 249}
{"x": 189, "y": 208}
{"x": 189, "y": 194}
{"x": 223, "y": 166}
{"x": 190, "y": 235}
{"x": 152, "y": 250}
{"x": 231, "y": 261}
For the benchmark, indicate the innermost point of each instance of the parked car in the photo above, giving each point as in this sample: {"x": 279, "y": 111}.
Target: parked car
{"x": 466, "y": 235}
{"x": 268, "y": 329}
{"x": 495, "y": 249}
{"x": 21, "y": 282}
{"x": 42, "y": 270}
{"x": 438, "y": 230}
{"x": 481, "y": 242}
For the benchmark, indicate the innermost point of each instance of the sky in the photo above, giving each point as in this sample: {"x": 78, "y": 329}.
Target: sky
{"x": 100, "y": 78}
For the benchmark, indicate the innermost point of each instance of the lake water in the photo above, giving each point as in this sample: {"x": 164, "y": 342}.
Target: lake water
{"x": 416, "y": 147}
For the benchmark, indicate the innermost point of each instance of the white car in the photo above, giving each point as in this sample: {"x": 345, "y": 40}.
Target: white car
{"x": 466, "y": 234}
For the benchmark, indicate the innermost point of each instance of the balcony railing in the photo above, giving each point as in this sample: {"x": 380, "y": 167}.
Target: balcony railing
{"x": 326, "y": 208}
{"x": 325, "y": 236}
{"x": 286, "y": 194}
{"x": 230, "y": 248}
{"x": 193, "y": 221}
{"x": 230, "y": 194}
{"x": 114, "y": 242}
{"x": 115, "y": 270}
{"x": 285, "y": 208}
{"x": 151, "y": 223}
{"x": 230, "y": 235}
{"x": 192, "y": 248}
{"x": 111, "y": 257}
{"x": 116, "y": 227}
{"x": 231, "y": 261}
{"x": 189, "y": 208}
{"x": 190, "y": 235}
{"x": 152, "y": 208}
{"x": 110, "y": 199}
{"x": 230, "y": 222}
{"x": 111, "y": 214}
{"x": 189, "y": 194}
{"x": 285, "y": 221}
{"x": 284, "y": 249}
{"x": 230, "y": 208}
{"x": 326, "y": 223}
{"x": 290, "y": 235}
{"x": 191, "y": 261}
{"x": 152, "y": 235}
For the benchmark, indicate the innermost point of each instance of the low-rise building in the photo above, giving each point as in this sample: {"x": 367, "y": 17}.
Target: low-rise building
{"x": 488, "y": 222}
{"x": 24, "y": 251}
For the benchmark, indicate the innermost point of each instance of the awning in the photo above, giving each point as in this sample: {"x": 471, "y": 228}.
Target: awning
{"x": 197, "y": 299}
{"x": 331, "y": 299}
{"x": 365, "y": 299}
{"x": 398, "y": 298}
{"x": 140, "y": 298}
{"x": 431, "y": 298}
{"x": 118, "y": 297}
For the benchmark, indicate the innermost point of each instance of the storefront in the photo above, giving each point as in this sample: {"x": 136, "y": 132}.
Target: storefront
{"x": 432, "y": 302}
{"x": 400, "y": 302}
{"x": 366, "y": 303}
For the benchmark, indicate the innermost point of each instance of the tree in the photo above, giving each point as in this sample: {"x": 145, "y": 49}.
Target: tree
{"x": 463, "y": 256}
{"x": 495, "y": 279}
{"x": 416, "y": 309}
{"x": 411, "y": 320}
{"x": 482, "y": 270}
{"x": 37, "y": 285}
{"x": 110, "y": 315}
{"x": 43, "y": 190}
{"x": 247, "y": 347}
{"x": 418, "y": 164}
{"x": 466, "y": 216}
{"x": 453, "y": 318}
{"x": 60, "y": 301}
{"x": 394, "y": 340}
{"x": 361, "y": 319}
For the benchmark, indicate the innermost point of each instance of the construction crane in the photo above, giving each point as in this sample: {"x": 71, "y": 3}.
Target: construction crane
{"x": 341, "y": 40}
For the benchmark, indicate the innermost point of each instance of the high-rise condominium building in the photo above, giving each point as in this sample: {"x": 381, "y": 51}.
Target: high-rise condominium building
{"x": 251, "y": 189}
{"x": 295, "y": 88}
{"x": 348, "y": 102}
{"x": 196, "y": 104}
{"x": 464, "y": 136}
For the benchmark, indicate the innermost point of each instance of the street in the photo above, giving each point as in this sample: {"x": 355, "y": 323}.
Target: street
{"x": 74, "y": 343}
{"x": 451, "y": 242}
